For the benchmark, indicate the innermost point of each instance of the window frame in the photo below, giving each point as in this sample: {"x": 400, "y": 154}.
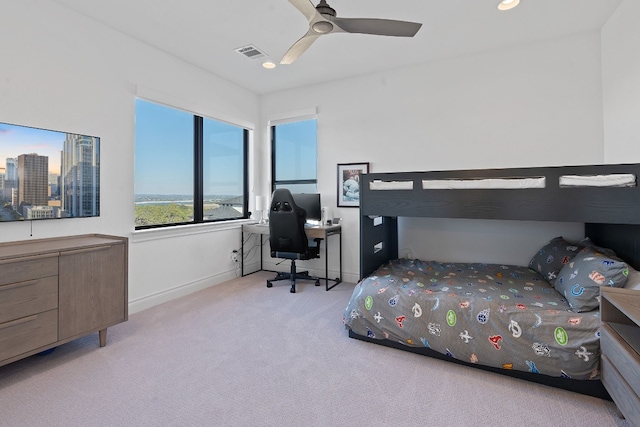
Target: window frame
{"x": 198, "y": 171}
{"x": 274, "y": 182}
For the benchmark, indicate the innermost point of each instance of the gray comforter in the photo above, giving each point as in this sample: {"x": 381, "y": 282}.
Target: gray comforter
{"x": 502, "y": 316}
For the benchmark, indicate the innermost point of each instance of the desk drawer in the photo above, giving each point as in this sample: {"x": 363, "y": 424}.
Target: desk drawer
{"x": 625, "y": 398}
{"x": 29, "y": 268}
{"x": 23, "y": 299}
{"x": 621, "y": 355}
{"x": 28, "y": 333}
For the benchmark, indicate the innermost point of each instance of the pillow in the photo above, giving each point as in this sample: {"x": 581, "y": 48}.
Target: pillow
{"x": 606, "y": 251}
{"x": 554, "y": 255}
{"x": 633, "y": 280}
{"x": 580, "y": 280}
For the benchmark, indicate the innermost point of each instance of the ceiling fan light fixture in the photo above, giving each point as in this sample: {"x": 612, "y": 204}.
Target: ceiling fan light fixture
{"x": 322, "y": 20}
{"x": 508, "y": 4}
{"x": 322, "y": 27}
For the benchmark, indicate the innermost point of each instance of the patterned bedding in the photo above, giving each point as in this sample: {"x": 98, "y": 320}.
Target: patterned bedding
{"x": 503, "y": 316}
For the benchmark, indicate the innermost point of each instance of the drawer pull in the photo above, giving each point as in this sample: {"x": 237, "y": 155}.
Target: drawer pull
{"x": 18, "y": 285}
{"x": 80, "y": 251}
{"x": 18, "y": 321}
{"x": 28, "y": 258}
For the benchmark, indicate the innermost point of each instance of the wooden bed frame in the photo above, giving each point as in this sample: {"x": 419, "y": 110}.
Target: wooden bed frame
{"x": 611, "y": 216}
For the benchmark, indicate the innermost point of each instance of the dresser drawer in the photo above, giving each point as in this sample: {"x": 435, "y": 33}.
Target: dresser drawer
{"x": 23, "y": 299}
{"x": 625, "y": 398}
{"x": 28, "y": 268}
{"x": 28, "y": 333}
{"x": 621, "y": 355}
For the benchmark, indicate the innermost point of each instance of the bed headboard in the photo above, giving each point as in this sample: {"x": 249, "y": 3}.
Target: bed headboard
{"x": 611, "y": 213}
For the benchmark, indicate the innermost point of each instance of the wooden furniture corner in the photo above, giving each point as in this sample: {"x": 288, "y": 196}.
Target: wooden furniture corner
{"x": 55, "y": 290}
{"x": 620, "y": 344}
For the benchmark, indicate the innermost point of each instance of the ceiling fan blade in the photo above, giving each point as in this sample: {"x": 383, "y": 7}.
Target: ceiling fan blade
{"x": 299, "y": 47}
{"x": 306, "y": 8}
{"x": 379, "y": 27}
{"x": 322, "y": 20}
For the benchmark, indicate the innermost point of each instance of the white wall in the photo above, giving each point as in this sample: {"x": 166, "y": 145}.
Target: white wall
{"x": 61, "y": 71}
{"x": 621, "y": 84}
{"x": 533, "y": 105}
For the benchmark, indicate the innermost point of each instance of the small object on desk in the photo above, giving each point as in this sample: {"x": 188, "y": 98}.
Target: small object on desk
{"x": 336, "y": 221}
{"x": 326, "y": 216}
{"x": 261, "y": 205}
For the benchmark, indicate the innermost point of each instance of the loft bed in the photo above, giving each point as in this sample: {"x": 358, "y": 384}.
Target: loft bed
{"x": 606, "y": 198}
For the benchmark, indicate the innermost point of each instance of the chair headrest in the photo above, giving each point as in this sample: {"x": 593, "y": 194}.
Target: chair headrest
{"x": 282, "y": 206}
{"x": 282, "y": 201}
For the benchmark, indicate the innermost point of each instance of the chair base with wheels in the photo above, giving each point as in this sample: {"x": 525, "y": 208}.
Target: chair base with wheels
{"x": 293, "y": 276}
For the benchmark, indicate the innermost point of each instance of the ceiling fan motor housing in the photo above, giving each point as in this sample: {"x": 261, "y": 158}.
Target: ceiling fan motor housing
{"x": 324, "y": 9}
{"x": 322, "y": 27}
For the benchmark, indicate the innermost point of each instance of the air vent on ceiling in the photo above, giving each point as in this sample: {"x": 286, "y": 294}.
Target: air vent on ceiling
{"x": 250, "y": 51}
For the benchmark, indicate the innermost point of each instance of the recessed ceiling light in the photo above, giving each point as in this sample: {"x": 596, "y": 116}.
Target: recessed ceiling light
{"x": 269, "y": 65}
{"x": 508, "y": 4}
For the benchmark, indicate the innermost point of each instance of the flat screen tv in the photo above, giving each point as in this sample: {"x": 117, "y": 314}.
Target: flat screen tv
{"x": 47, "y": 174}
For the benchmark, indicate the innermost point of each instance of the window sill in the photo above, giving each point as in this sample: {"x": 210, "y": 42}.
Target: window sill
{"x": 185, "y": 230}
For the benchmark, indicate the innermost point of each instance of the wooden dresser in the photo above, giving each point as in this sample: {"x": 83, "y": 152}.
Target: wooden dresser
{"x": 620, "y": 345}
{"x": 55, "y": 290}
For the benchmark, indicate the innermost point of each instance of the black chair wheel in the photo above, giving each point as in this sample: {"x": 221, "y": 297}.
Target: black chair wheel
{"x": 317, "y": 282}
{"x": 293, "y": 290}
{"x": 269, "y": 284}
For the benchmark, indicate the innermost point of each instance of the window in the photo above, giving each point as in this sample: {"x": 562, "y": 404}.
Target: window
{"x": 188, "y": 169}
{"x": 294, "y": 156}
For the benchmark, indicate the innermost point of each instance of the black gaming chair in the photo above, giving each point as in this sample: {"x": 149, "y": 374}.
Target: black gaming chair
{"x": 287, "y": 237}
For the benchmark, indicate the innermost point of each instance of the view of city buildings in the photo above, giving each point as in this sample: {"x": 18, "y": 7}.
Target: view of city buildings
{"x": 30, "y": 189}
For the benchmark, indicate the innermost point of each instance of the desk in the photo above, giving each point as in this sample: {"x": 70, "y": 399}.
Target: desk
{"x": 313, "y": 232}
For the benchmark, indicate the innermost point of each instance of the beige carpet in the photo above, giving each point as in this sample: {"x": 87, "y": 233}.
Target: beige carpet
{"x": 239, "y": 354}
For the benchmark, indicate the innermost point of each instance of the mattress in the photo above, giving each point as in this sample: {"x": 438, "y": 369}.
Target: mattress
{"x": 503, "y": 316}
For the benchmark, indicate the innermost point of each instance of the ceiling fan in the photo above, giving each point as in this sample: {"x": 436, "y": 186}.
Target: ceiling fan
{"x": 323, "y": 20}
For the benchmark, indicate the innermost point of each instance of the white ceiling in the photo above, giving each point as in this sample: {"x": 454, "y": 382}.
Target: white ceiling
{"x": 206, "y": 33}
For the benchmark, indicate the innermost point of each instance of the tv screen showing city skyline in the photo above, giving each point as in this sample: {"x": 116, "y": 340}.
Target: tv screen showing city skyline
{"x": 48, "y": 174}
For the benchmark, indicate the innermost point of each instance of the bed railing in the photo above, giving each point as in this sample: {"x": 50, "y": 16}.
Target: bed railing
{"x": 594, "y": 195}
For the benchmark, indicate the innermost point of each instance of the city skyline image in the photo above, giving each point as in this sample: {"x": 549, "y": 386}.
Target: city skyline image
{"x": 48, "y": 174}
{"x": 16, "y": 140}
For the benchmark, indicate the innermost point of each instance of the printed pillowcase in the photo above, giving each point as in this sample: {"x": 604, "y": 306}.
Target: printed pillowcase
{"x": 553, "y": 256}
{"x": 605, "y": 251}
{"x": 633, "y": 281}
{"x": 580, "y": 280}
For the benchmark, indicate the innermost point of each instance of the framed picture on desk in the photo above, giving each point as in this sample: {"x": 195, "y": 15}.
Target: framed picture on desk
{"x": 349, "y": 183}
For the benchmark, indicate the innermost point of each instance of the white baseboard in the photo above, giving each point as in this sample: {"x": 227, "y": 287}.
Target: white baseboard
{"x": 149, "y": 301}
